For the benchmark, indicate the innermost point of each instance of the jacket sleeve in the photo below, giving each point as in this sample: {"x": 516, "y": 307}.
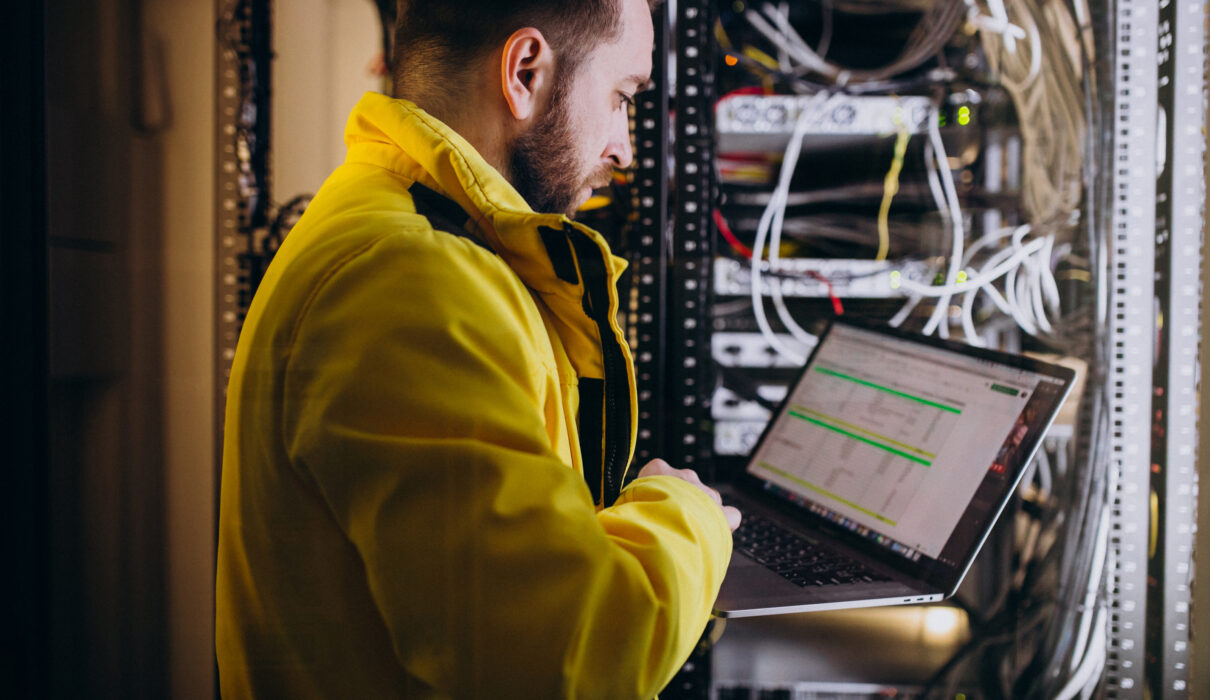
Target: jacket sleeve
{"x": 413, "y": 404}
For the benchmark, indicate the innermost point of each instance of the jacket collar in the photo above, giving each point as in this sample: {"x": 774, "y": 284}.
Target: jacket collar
{"x": 398, "y": 135}
{"x": 401, "y": 137}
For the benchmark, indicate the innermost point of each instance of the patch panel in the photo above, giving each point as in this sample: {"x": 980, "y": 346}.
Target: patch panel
{"x": 762, "y": 123}
{"x": 732, "y": 438}
{"x": 731, "y": 349}
{"x": 727, "y": 405}
{"x": 850, "y": 278}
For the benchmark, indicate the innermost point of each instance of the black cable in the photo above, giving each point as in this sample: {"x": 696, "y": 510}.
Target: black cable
{"x": 1000, "y": 629}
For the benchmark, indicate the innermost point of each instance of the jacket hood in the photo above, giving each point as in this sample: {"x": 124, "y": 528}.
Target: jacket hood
{"x": 566, "y": 263}
{"x": 398, "y": 135}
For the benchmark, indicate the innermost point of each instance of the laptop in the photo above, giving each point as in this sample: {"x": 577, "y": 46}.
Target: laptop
{"x": 883, "y": 471}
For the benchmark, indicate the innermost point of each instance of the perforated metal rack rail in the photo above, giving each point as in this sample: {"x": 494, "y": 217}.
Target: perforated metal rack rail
{"x": 1158, "y": 195}
{"x": 244, "y": 53}
{"x": 648, "y": 252}
{"x": 688, "y": 441}
{"x": 690, "y": 373}
{"x": 1180, "y": 199}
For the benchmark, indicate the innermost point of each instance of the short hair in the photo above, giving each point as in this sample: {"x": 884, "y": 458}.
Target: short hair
{"x": 435, "y": 40}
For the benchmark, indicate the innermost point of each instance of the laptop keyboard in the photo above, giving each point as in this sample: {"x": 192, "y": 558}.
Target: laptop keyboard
{"x": 797, "y": 559}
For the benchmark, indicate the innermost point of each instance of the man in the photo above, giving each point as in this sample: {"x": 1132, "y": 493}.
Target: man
{"x": 432, "y": 407}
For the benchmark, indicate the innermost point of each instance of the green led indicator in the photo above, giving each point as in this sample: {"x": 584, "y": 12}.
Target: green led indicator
{"x": 964, "y": 115}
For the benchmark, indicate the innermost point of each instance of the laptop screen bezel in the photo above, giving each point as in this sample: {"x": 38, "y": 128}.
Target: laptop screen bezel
{"x": 933, "y": 572}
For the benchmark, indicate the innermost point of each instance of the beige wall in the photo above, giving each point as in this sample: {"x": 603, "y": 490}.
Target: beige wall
{"x": 324, "y": 49}
{"x": 187, "y": 229}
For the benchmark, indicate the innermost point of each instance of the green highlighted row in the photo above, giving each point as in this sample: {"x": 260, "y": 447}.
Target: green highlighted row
{"x": 866, "y": 440}
{"x": 825, "y": 492}
{"x": 833, "y": 420}
{"x": 888, "y": 390}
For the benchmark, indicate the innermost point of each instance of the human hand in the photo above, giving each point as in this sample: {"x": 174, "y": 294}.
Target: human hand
{"x": 658, "y": 467}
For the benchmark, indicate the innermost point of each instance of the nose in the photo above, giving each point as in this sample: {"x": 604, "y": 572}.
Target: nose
{"x": 618, "y": 148}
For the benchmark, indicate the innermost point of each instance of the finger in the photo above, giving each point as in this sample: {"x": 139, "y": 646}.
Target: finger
{"x": 692, "y": 477}
{"x": 714, "y": 495}
{"x": 656, "y": 467}
{"x": 733, "y": 517}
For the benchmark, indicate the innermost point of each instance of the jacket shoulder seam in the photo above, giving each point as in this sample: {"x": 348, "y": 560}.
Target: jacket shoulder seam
{"x": 321, "y": 284}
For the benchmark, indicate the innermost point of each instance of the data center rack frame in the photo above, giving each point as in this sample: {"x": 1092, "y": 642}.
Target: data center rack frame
{"x": 1154, "y": 242}
{"x": 647, "y": 254}
{"x": 1155, "y": 250}
{"x": 673, "y": 247}
{"x": 243, "y": 176}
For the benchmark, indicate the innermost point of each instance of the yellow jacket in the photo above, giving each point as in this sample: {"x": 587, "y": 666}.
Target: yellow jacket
{"x": 407, "y": 508}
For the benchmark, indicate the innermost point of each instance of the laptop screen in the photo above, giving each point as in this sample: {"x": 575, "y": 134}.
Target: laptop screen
{"x": 910, "y": 443}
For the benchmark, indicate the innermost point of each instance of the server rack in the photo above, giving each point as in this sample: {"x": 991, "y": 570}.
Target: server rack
{"x": 1153, "y": 218}
{"x": 243, "y": 177}
{"x": 1146, "y": 205}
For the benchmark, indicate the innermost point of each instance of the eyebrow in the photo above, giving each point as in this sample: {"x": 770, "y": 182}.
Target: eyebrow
{"x": 641, "y": 82}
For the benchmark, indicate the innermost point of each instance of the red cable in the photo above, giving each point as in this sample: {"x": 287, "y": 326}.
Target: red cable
{"x": 745, "y": 251}
{"x": 724, "y": 229}
{"x": 836, "y": 305}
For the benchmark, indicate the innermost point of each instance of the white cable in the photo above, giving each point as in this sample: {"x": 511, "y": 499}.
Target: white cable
{"x": 982, "y": 281}
{"x": 1100, "y": 550}
{"x": 776, "y": 201}
{"x": 1012, "y": 263}
{"x": 816, "y": 104}
{"x": 987, "y": 240}
{"x": 968, "y": 321}
{"x": 1026, "y": 288}
{"x": 1032, "y": 255}
{"x": 1045, "y": 479}
{"x": 992, "y": 264}
{"x": 996, "y": 23}
{"x": 1089, "y": 670}
{"x": 1015, "y": 293}
{"x": 968, "y": 300}
{"x": 905, "y": 310}
{"x": 1061, "y": 460}
{"x": 955, "y": 213}
{"x": 1088, "y": 666}
{"x": 1036, "y": 265}
{"x": 1035, "y": 51}
{"x": 783, "y": 59}
{"x": 942, "y": 207}
{"x": 930, "y": 166}
{"x": 1049, "y": 287}
{"x": 784, "y": 41}
{"x": 778, "y": 204}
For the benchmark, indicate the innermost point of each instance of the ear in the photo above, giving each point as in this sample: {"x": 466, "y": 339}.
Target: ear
{"x": 526, "y": 71}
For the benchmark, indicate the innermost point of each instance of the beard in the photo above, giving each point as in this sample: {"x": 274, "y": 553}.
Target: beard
{"x": 543, "y": 163}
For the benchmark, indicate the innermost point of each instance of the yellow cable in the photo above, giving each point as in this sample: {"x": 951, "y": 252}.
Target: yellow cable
{"x": 720, "y": 35}
{"x": 889, "y": 188}
{"x": 761, "y": 57}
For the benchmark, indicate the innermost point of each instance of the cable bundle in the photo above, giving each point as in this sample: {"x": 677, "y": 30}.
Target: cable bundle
{"x": 1048, "y": 102}
{"x": 938, "y": 23}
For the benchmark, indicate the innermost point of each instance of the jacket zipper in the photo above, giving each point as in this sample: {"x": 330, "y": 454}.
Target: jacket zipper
{"x": 616, "y": 414}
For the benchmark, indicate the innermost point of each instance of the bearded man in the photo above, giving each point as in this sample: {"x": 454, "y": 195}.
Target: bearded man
{"x": 432, "y": 406}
